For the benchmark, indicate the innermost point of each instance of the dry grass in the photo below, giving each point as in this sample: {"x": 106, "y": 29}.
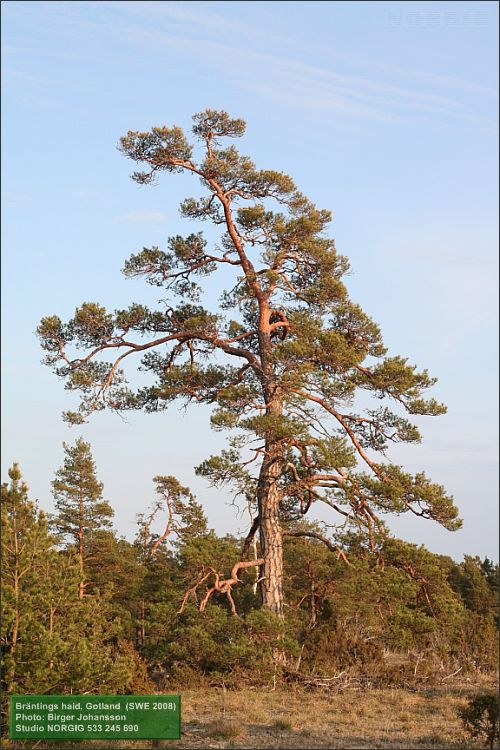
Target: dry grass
{"x": 224, "y": 729}
{"x": 282, "y": 724}
{"x": 353, "y": 719}
{"x": 390, "y": 719}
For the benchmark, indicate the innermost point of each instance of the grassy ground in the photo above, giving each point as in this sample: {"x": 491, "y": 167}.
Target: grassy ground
{"x": 391, "y": 719}
{"x": 354, "y": 719}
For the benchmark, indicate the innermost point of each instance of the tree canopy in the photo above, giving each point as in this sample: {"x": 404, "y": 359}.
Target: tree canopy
{"x": 284, "y": 359}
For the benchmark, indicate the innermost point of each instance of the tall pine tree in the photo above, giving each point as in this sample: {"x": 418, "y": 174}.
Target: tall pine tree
{"x": 282, "y": 358}
{"x": 81, "y": 511}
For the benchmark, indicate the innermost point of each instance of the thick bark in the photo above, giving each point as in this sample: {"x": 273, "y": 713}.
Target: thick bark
{"x": 268, "y": 494}
{"x": 271, "y": 541}
{"x": 271, "y": 538}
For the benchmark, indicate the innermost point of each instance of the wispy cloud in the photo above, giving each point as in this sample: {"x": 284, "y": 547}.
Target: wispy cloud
{"x": 313, "y": 87}
{"x": 142, "y": 217}
{"x": 168, "y": 34}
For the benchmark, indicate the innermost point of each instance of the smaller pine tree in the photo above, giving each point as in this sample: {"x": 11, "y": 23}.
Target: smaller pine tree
{"x": 51, "y": 641}
{"x": 81, "y": 510}
{"x": 24, "y": 544}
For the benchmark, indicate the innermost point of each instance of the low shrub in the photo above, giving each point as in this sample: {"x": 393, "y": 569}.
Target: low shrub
{"x": 480, "y": 718}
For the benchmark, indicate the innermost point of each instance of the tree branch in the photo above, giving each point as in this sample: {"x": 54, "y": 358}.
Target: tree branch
{"x": 316, "y": 535}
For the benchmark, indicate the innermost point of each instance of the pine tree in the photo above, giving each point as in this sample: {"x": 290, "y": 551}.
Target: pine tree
{"x": 183, "y": 522}
{"x": 25, "y": 544}
{"x": 81, "y": 511}
{"x": 114, "y": 572}
{"x": 52, "y": 641}
{"x": 282, "y": 359}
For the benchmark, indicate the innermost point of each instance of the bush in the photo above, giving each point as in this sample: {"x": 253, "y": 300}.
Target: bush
{"x": 480, "y": 718}
{"x": 332, "y": 648}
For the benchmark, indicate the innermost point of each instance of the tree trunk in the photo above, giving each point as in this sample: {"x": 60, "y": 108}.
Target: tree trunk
{"x": 268, "y": 494}
{"x": 271, "y": 541}
{"x": 81, "y": 585}
{"x": 255, "y": 586}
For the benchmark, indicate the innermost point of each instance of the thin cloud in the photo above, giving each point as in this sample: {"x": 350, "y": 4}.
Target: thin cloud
{"x": 355, "y": 96}
{"x": 189, "y": 30}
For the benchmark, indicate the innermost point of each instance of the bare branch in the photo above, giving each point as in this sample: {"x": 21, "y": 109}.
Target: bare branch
{"x": 221, "y": 586}
{"x": 316, "y": 535}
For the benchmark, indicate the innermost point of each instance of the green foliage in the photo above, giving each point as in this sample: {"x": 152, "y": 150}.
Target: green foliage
{"x": 52, "y": 641}
{"x": 480, "y": 718}
{"x": 165, "y": 147}
{"x": 479, "y": 646}
{"x": 379, "y": 618}
{"x": 339, "y": 617}
{"x": 214, "y": 124}
{"x": 113, "y": 570}
{"x": 81, "y": 511}
{"x": 331, "y": 650}
{"x": 78, "y": 494}
{"x": 211, "y": 641}
{"x": 284, "y": 369}
{"x": 399, "y": 491}
{"x": 477, "y": 584}
{"x": 269, "y": 634}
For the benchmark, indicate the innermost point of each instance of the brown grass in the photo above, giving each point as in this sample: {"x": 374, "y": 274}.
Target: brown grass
{"x": 389, "y": 719}
{"x": 353, "y": 719}
{"x": 224, "y": 729}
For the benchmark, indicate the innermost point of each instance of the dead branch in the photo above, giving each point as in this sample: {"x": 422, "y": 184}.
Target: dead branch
{"x": 452, "y": 674}
{"x": 311, "y": 681}
{"x": 221, "y": 586}
{"x": 192, "y": 591}
{"x": 253, "y": 530}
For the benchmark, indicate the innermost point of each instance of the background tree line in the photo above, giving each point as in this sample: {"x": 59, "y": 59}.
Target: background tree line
{"x": 87, "y": 611}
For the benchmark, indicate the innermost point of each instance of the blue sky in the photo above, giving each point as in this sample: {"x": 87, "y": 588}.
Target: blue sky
{"x": 385, "y": 113}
